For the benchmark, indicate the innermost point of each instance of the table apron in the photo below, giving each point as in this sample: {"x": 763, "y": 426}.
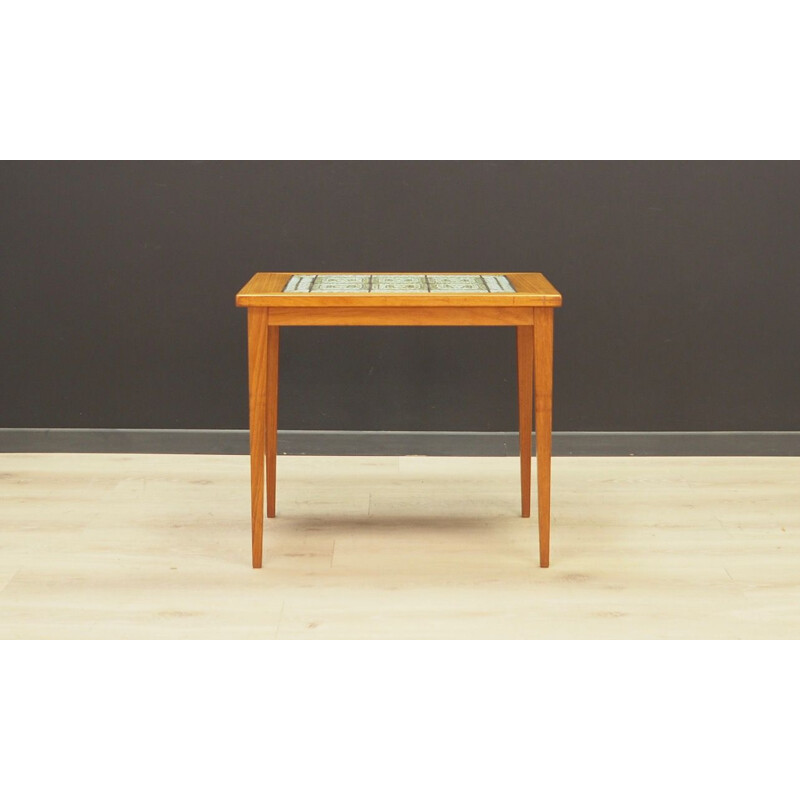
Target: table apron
{"x": 409, "y": 315}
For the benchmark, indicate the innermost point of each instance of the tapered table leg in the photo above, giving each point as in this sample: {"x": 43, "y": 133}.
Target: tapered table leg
{"x": 257, "y": 335}
{"x": 272, "y": 416}
{"x": 543, "y": 379}
{"x": 525, "y": 391}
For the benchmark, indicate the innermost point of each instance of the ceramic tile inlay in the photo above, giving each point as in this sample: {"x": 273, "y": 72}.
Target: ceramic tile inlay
{"x": 399, "y": 284}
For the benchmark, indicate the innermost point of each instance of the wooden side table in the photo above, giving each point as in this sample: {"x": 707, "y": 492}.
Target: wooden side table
{"x": 523, "y": 299}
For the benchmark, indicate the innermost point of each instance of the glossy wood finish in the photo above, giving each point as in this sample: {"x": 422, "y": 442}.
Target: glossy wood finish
{"x": 525, "y": 402}
{"x": 273, "y": 340}
{"x": 266, "y": 289}
{"x": 257, "y": 333}
{"x": 408, "y": 315}
{"x": 529, "y": 308}
{"x": 543, "y": 379}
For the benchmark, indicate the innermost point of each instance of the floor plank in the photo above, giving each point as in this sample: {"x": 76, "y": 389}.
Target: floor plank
{"x": 157, "y": 546}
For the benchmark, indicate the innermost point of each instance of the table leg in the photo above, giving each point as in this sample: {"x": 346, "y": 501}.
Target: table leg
{"x": 257, "y": 335}
{"x": 543, "y": 379}
{"x": 272, "y": 415}
{"x": 525, "y": 392}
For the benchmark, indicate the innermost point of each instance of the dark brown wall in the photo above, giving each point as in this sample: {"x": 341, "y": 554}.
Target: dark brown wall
{"x": 681, "y": 284}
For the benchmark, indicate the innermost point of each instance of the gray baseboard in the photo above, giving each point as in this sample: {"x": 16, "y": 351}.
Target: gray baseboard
{"x": 429, "y": 443}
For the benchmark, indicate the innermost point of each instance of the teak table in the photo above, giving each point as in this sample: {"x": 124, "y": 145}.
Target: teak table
{"x": 523, "y": 299}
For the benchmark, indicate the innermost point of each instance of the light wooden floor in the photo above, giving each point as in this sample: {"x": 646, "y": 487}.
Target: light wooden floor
{"x": 126, "y": 546}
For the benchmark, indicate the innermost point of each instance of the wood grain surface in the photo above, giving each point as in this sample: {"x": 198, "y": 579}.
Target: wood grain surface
{"x": 269, "y": 308}
{"x": 156, "y": 547}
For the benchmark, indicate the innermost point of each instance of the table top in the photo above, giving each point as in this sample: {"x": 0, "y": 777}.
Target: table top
{"x": 365, "y": 289}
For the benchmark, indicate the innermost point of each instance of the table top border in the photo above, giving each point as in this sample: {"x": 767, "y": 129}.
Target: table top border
{"x": 266, "y": 289}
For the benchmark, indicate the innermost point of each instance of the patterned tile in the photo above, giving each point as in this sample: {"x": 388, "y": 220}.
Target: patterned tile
{"x": 398, "y": 284}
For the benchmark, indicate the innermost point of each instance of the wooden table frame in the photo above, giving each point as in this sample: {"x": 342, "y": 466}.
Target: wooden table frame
{"x": 529, "y": 308}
